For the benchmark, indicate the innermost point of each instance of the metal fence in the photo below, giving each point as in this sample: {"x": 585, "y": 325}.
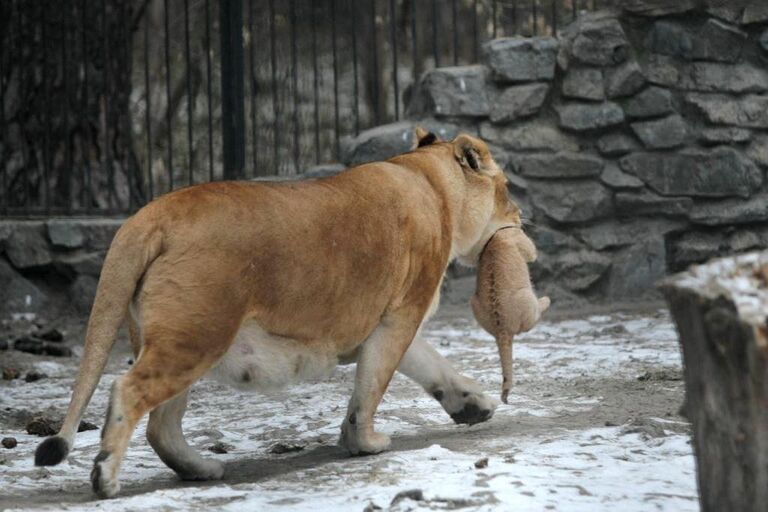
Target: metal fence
{"x": 230, "y": 89}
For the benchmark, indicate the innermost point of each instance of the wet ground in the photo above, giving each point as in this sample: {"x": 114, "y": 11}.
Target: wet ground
{"x": 592, "y": 424}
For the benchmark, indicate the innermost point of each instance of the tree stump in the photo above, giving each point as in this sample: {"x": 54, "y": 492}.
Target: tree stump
{"x": 721, "y": 313}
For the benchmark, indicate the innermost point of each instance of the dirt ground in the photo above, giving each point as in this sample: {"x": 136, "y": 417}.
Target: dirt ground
{"x": 592, "y": 424}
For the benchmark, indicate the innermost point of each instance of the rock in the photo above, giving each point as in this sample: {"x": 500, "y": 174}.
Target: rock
{"x": 87, "y": 263}
{"x": 82, "y": 292}
{"x": 570, "y": 201}
{"x": 51, "y": 334}
{"x": 747, "y": 240}
{"x": 624, "y": 80}
{"x": 612, "y": 233}
{"x": 665, "y": 133}
{"x": 716, "y": 136}
{"x": 549, "y": 240}
{"x": 669, "y": 38}
{"x": 652, "y": 102}
{"x": 17, "y": 294}
{"x": 9, "y": 443}
{"x": 616, "y": 144}
{"x": 34, "y": 376}
{"x": 27, "y": 247}
{"x": 42, "y": 426}
{"x": 3, "y": 345}
{"x": 521, "y": 59}
{"x": 749, "y": 111}
{"x": 719, "y": 42}
{"x": 697, "y": 247}
{"x": 411, "y": 494}
{"x": 662, "y": 70}
{"x": 614, "y": 178}
{"x": 637, "y": 267}
{"x": 11, "y": 373}
{"x": 754, "y": 12}
{"x": 763, "y": 40}
{"x": 758, "y": 150}
{"x": 322, "y": 171}
{"x": 535, "y": 135}
{"x": 518, "y": 101}
{"x": 716, "y": 77}
{"x": 371, "y": 507}
{"x": 654, "y": 8}
{"x": 452, "y": 91}
{"x": 721, "y": 172}
{"x": 727, "y": 13}
{"x": 279, "y": 448}
{"x": 86, "y": 425}
{"x": 599, "y": 41}
{"x": 379, "y": 143}
{"x": 731, "y": 211}
{"x": 99, "y": 232}
{"x": 584, "y": 84}
{"x": 578, "y": 271}
{"x": 32, "y": 345}
{"x": 580, "y": 117}
{"x": 65, "y": 234}
{"x": 481, "y": 463}
{"x": 647, "y": 203}
{"x": 559, "y": 165}
{"x": 220, "y": 447}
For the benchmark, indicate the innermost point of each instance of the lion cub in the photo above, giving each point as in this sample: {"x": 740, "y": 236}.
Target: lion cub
{"x": 504, "y": 303}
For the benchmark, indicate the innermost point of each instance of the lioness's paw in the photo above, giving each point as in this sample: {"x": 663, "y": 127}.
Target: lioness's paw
{"x": 467, "y": 404}
{"x": 208, "y": 470}
{"x": 363, "y": 441}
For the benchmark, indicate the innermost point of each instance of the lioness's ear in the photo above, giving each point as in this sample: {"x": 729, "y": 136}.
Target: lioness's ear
{"x": 467, "y": 152}
{"x": 423, "y": 138}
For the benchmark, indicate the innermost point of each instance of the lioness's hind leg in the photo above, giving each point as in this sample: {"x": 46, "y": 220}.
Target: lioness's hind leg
{"x": 167, "y": 439}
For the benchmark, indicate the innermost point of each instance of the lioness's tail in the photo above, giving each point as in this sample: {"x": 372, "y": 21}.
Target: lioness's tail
{"x": 133, "y": 249}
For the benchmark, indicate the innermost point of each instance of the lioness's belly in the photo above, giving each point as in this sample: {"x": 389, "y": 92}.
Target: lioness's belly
{"x": 258, "y": 360}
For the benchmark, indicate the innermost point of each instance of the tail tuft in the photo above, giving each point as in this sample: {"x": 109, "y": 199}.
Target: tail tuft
{"x": 51, "y": 451}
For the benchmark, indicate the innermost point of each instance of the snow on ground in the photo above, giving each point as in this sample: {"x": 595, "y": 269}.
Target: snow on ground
{"x": 591, "y": 425}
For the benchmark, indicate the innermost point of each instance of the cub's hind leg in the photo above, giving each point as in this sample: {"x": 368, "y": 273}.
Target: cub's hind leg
{"x": 167, "y": 439}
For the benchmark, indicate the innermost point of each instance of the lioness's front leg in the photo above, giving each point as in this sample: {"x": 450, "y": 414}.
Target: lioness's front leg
{"x": 377, "y": 360}
{"x": 461, "y": 397}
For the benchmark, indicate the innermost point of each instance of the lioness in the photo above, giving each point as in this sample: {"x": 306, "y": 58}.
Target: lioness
{"x": 262, "y": 284}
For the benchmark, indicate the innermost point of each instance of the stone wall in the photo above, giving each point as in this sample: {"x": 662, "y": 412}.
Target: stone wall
{"x": 636, "y": 142}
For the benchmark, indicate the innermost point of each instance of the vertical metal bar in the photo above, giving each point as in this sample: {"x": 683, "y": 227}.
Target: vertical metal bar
{"x": 5, "y": 192}
{"x": 135, "y": 191}
{"x": 190, "y": 99}
{"x": 335, "y": 79}
{"x": 355, "y": 91}
{"x": 414, "y": 44}
{"x": 275, "y": 104}
{"x": 393, "y": 36}
{"x": 168, "y": 95}
{"x": 47, "y": 110}
{"x": 23, "y": 81}
{"x": 374, "y": 49}
{"x": 148, "y": 116}
{"x": 232, "y": 88}
{"x": 67, "y": 106}
{"x": 514, "y": 17}
{"x": 87, "y": 178}
{"x": 574, "y": 8}
{"x": 435, "y": 50}
{"x": 208, "y": 83}
{"x": 554, "y": 18}
{"x": 535, "y": 10}
{"x": 455, "y": 17}
{"x": 315, "y": 83}
{"x": 476, "y": 47}
{"x": 295, "y": 86}
{"x": 252, "y": 80}
{"x": 493, "y": 14}
{"x": 107, "y": 166}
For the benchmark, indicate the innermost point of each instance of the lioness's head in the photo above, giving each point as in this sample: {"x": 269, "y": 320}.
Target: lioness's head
{"x": 485, "y": 205}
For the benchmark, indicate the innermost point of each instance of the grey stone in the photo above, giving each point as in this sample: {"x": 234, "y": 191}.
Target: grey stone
{"x": 747, "y": 240}
{"x": 624, "y": 80}
{"x": 715, "y": 77}
{"x": 452, "y": 91}
{"x": 88, "y": 263}
{"x": 27, "y": 247}
{"x": 763, "y": 40}
{"x": 715, "y": 136}
{"x": 731, "y": 211}
{"x": 17, "y": 294}
{"x": 719, "y": 42}
{"x": 552, "y": 241}
{"x": 82, "y": 292}
{"x": 637, "y": 268}
{"x": 662, "y": 70}
{"x": 654, "y": 8}
{"x": 611, "y": 234}
{"x": 728, "y": 13}
{"x": 653, "y": 101}
{"x": 721, "y": 172}
{"x": 569, "y": 201}
{"x": 758, "y": 150}
{"x": 669, "y": 38}
{"x": 614, "y": 178}
{"x": 536, "y": 135}
{"x": 99, "y": 232}
{"x": 755, "y": 12}
{"x": 697, "y": 247}
{"x": 322, "y": 171}
{"x": 559, "y": 165}
{"x": 665, "y": 133}
{"x": 379, "y": 143}
{"x": 616, "y": 144}
{"x": 578, "y": 271}
{"x": 519, "y": 59}
{"x": 599, "y": 41}
{"x": 518, "y": 101}
{"x": 66, "y": 234}
{"x": 647, "y": 203}
{"x": 584, "y": 83}
{"x": 580, "y": 117}
{"x": 516, "y": 181}
{"x": 750, "y": 111}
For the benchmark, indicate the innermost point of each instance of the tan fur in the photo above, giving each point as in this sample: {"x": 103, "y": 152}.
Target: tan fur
{"x": 504, "y": 303}
{"x": 344, "y": 267}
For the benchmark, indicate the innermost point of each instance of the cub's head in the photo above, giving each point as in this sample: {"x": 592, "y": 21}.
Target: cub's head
{"x": 478, "y": 189}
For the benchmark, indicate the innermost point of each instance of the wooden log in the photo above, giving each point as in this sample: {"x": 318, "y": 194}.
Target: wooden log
{"x": 721, "y": 313}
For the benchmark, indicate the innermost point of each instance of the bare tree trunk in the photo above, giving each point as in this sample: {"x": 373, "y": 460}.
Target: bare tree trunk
{"x": 66, "y": 84}
{"x": 721, "y": 312}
